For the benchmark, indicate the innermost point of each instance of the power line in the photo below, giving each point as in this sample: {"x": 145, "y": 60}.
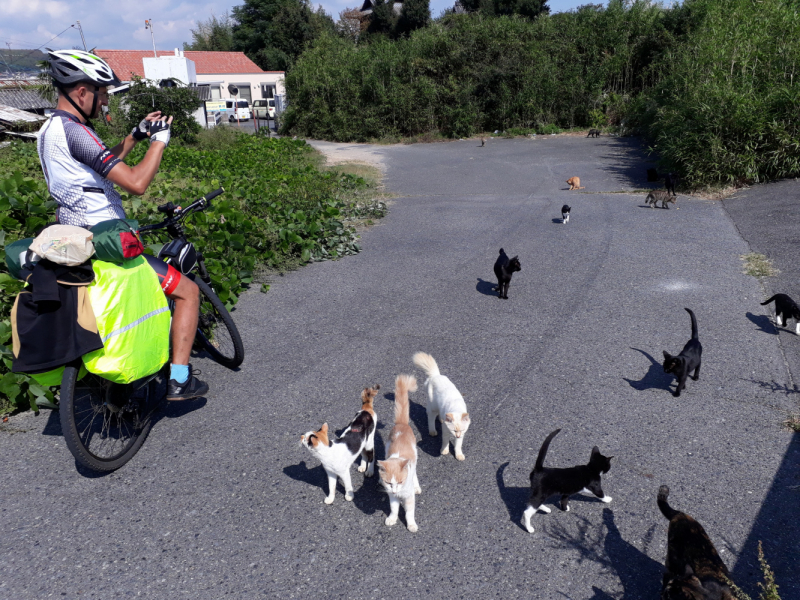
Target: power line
{"x": 47, "y": 42}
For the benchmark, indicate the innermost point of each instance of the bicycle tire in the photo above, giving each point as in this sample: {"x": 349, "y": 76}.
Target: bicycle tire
{"x": 216, "y": 330}
{"x": 104, "y": 424}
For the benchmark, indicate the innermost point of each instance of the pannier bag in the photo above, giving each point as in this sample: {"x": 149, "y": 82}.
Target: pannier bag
{"x": 19, "y": 259}
{"x": 133, "y": 320}
{"x": 64, "y": 244}
{"x": 117, "y": 240}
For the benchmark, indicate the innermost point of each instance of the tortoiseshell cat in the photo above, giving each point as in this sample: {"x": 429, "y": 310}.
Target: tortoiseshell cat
{"x": 694, "y": 569}
{"x": 687, "y": 361}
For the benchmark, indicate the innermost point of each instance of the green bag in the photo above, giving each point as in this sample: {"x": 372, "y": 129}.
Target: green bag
{"x": 16, "y": 256}
{"x": 117, "y": 240}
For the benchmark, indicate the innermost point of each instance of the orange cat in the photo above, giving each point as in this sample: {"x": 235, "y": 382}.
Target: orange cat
{"x": 575, "y": 183}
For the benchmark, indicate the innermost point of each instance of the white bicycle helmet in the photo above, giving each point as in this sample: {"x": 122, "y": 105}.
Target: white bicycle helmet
{"x": 70, "y": 67}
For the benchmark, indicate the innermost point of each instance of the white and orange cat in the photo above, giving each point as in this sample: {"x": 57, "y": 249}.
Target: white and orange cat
{"x": 338, "y": 456}
{"x": 398, "y": 472}
{"x": 445, "y": 402}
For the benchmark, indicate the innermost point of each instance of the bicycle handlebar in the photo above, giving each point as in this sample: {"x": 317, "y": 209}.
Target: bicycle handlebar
{"x": 177, "y": 214}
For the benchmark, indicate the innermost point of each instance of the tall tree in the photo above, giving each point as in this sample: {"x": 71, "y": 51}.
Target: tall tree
{"x": 214, "y": 34}
{"x": 527, "y": 8}
{"x": 273, "y": 33}
{"x": 415, "y": 14}
{"x": 383, "y": 19}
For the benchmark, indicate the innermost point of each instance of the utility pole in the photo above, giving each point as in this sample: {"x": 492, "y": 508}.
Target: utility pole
{"x": 148, "y": 24}
{"x": 83, "y": 39}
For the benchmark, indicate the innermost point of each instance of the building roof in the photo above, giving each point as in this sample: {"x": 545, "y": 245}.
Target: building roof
{"x": 126, "y": 63}
{"x": 24, "y": 99}
{"x": 10, "y": 116}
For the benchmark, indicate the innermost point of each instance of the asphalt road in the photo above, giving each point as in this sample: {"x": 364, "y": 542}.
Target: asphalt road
{"x": 223, "y": 502}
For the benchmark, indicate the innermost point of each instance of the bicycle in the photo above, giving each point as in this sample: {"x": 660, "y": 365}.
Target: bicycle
{"x": 105, "y": 423}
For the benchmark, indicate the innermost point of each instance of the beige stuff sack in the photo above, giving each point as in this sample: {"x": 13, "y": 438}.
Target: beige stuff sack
{"x": 64, "y": 244}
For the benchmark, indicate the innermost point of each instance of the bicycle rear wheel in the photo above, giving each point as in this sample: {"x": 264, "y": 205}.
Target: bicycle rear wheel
{"x": 216, "y": 330}
{"x": 104, "y": 423}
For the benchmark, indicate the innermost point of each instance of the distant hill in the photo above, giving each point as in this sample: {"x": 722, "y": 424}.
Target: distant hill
{"x": 21, "y": 60}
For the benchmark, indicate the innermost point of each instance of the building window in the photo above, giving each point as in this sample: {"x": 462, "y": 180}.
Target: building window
{"x": 244, "y": 91}
{"x": 267, "y": 90}
{"x": 215, "y": 95}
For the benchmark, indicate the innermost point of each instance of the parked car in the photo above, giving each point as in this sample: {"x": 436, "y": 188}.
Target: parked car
{"x": 264, "y": 109}
{"x": 241, "y": 111}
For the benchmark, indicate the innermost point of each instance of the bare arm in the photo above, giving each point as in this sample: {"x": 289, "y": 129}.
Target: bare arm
{"x": 135, "y": 180}
{"x": 122, "y": 149}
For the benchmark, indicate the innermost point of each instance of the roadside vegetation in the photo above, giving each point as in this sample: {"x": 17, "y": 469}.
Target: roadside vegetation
{"x": 279, "y": 211}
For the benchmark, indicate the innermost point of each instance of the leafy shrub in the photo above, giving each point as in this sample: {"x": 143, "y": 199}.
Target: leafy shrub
{"x": 278, "y": 211}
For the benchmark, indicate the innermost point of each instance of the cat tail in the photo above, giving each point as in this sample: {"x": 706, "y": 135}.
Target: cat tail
{"x": 402, "y": 386}
{"x": 666, "y": 509}
{"x": 543, "y": 451}
{"x": 768, "y": 301}
{"x": 694, "y": 323}
{"x": 426, "y": 363}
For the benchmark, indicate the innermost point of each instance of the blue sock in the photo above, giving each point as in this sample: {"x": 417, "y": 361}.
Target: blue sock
{"x": 179, "y": 373}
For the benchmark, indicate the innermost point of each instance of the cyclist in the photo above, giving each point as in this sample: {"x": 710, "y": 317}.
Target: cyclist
{"x": 81, "y": 172}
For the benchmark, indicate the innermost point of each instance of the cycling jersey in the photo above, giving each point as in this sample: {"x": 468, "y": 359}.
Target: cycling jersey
{"x": 75, "y": 163}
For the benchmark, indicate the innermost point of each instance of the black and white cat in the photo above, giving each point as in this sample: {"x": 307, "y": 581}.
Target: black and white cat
{"x": 785, "y": 308}
{"x": 504, "y": 268}
{"x": 338, "y": 456}
{"x": 546, "y": 482}
{"x": 565, "y": 213}
{"x": 687, "y": 361}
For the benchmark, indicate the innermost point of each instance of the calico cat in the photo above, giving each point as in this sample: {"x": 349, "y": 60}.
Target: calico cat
{"x": 338, "y": 456}
{"x": 656, "y": 196}
{"x": 594, "y": 133}
{"x": 670, "y": 179}
{"x": 687, "y": 361}
{"x": 565, "y": 213}
{"x": 399, "y": 471}
{"x": 504, "y": 268}
{"x": 546, "y": 482}
{"x": 445, "y": 402}
{"x": 785, "y": 308}
{"x": 575, "y": 183}
{"x": 694, "y": 569}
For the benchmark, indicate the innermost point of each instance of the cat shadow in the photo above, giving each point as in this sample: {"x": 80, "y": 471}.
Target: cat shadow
{"x": 639, "y": 574}
{"x": 419, "y": 416}
{"x": 557, "y": 220}
{"x": 487, "y": 288}
{"x": 515, "y": 498}
{"x": 655, "y": 378}
{"x": 763, "y": 322}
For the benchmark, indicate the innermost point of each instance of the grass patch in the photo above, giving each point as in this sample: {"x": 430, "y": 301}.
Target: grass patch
{"x": 792, "y": 422}
{"x": 769, "y": 589}
{"x": 758, "y": 265}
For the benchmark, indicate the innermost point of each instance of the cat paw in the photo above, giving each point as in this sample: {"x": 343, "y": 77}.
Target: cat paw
{"x": 460, "y": 457}
{"x": 445, "y": 451}
{"x": 329, "y": 500}
{"x": 362, "y": 468}
{"x": 567, "y": 509}
{"x": 349, "y": 496}
{"x": 676, "y": 394}
{"x": 606, "y": 499}
{"x": 417, "y": 490}
{"x": 412, "y": 527}
{"x": 370, "y": 472}
{"x": 390, "y": 521}
{"x": 544, "y": 509}
{"x": 433, "y": 433}
{"x": 528, "y": 527}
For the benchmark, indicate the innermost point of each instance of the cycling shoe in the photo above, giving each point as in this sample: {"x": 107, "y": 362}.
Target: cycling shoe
{"x": 191, "y": 388}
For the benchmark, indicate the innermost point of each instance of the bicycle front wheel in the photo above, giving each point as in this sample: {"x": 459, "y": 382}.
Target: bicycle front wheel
{"x": 104, "y": 423}
{"x": 216, "y": 330}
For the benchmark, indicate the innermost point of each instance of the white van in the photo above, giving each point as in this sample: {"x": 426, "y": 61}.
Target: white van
{"x": 264, "y": 109}
{"x": 241, "y": 111}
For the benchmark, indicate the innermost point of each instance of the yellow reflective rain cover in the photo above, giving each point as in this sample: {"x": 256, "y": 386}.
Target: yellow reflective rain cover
{"x": 133, "y": 320}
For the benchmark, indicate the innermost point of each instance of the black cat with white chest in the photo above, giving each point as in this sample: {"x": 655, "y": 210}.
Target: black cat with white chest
{"x": 504, "y": 268}
{"x": 565, "y": 213}
{"x": 687, "y": 361}
{"x": 546, "y": 482}
{"x": 785, "y": 309}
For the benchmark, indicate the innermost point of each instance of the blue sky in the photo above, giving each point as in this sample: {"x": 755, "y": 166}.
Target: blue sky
{"x": 120, "y": 24}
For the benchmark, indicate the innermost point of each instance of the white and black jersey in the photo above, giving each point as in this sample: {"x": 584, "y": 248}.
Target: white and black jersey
{"x": 75, "y": 163}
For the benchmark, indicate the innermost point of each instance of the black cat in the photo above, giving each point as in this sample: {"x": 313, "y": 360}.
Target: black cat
{"x": 595, "y": 133}
{"x": 652, "y": 175}
{"x": 504, "y": 268}
{"x": 670, "y": 179}
{"x": 687, "y": 361}
{"x": 785, "y": 308}
{"x": 546, "y": 482}
{"x": 565, "y": 213}
{"x": 694, "y": 569}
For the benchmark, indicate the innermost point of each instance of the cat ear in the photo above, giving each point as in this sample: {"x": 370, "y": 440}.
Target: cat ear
{"x": 404, "y": 463}
{"x": 381, "y": 465}
{"x": 667, "y": 355}
{"x": 449, "y": 417}
{"x": 465, "y": 418}
{"x": 324, "y": 428}
{"x": 595, "y": 451}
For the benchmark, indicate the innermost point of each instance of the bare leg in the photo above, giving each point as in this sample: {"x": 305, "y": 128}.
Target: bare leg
{"x": 184, "y": 320}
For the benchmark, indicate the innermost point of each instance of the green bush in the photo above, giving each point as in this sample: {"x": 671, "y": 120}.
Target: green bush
{"x": 278, "y": 211}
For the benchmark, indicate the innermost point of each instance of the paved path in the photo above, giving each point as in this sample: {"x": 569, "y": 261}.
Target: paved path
{"x": 222, "y": 502}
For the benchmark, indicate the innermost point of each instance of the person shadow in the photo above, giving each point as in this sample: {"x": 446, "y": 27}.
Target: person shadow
{"x": 487, "y": 288}
{"x": 639, "y": 574}
{"x": 655, "y": 378}
{"x": 763, "y": 322}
